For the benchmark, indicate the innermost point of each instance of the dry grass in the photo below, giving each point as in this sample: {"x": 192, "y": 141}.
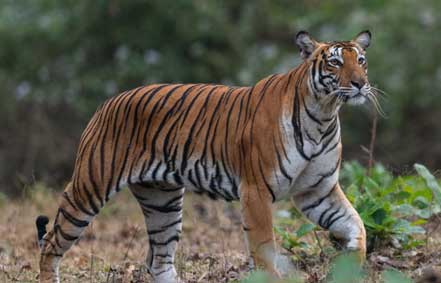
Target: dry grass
{"x": 114, "y": 247}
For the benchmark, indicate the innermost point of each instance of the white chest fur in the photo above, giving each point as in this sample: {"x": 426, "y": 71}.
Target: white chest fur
{"x": 319, "y": 169}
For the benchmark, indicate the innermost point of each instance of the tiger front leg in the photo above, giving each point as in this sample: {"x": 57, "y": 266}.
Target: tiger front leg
{"x": 330, "y": 209}
{"x": 256, "y": 204}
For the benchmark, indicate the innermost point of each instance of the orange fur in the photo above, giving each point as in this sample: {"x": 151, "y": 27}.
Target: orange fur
{"x": 165, "y": 136}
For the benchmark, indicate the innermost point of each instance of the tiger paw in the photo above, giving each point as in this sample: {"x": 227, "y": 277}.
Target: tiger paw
{"x": 166, "y": 276}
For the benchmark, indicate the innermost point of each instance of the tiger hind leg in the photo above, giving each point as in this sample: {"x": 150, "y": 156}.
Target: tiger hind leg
{"x": 162, "y": 209}
{"x": 72, "y": 218}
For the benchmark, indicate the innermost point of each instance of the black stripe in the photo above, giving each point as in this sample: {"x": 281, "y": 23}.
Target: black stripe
{"x": 311, "y": 138}
{"x": 163, "y": 255}
{"x": 175, "y": 199}
{"x": 79, "y": 203}
{"x": 207, "y": 135}
{"x": 65, "y": 195}
{"x": 163, "y": 271}
{"x": 310, "y": 115}
{"x": 335, "y": 219}
{"x": 115, "y": 147}
{"x": 281, "y": 167}
{"x": 327, "y": 174}
{"x": 295, "y": 120}
{"x": 323, "y": 214}
{"x": 75, "y": 221}
{"x": 66, "y": 236}
{"x": 266, "y": 183}
{"x": 189, "y": 138}
{"x": 166, "y": 242}
{"x": 262, "y": 94}
{"x": 152, "y": 113}
{"x": 164, "y": 228}
{"x": 333, "y": 147}
{"x": 127, "y": 111}
{"x": 159, "y": 130}
{"x": 138, "y": 197}
{"x": 192, "y": 181}
{"x": 90, "y": 200}
{"x": 328, "y": 220}
{"x": 163, "y": 209}
{"x": 91, "y": 178}
{"x": 326, "y": 144}
{"x": 107, "y": 120}
{"x": 319, "y": 201}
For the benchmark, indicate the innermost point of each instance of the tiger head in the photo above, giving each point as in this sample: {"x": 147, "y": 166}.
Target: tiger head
{"x": 337, "y": 70}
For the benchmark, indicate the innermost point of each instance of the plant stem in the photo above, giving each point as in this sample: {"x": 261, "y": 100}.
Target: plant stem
{"x": 372, "y": 143}
{"x": 318, "y": 242}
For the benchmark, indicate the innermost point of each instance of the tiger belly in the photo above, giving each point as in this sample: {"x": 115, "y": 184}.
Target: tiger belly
{"x": 198, "y": 176}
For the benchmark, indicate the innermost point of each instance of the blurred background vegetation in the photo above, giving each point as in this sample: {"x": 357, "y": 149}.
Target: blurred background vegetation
{"x": 60, "y": 59}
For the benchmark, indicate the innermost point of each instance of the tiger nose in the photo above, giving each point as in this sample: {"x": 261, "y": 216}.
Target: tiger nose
{"x": 358, "y": 84}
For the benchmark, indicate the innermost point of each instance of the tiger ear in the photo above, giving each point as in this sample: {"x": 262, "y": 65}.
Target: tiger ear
{"x": 363, "y": 39}
{"x": 306, "y": 44}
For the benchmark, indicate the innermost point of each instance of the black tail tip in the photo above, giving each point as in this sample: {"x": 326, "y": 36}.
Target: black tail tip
{"x": 41, "y": 223}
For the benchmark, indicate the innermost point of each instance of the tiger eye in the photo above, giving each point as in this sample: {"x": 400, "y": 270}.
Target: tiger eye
{"x": 335, "y": 62}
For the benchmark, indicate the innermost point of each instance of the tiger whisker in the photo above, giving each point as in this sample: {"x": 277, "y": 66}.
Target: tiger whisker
{"x": 334, "y": 96}
{"x": 372, "y": 98}
{"x": 380, "y": 92}
{"x": 380, "y": 95}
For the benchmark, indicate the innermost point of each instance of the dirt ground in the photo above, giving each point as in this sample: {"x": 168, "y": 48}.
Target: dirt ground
{"x": 114, "y": 246}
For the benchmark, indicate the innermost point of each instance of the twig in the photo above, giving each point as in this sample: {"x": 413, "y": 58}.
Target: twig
{"x": 130, "y": 243}
{"x": 111, "y": 271}
{"x": 372, "y": 143}
{"x": 318, "y": 242}
{"x": 202, "y": 277}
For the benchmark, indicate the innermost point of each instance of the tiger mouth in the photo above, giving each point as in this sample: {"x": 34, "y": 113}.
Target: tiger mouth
{"x": 345, "y": 97}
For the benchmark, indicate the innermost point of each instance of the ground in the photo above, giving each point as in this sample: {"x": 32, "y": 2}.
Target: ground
{"x": 114, "y": 246}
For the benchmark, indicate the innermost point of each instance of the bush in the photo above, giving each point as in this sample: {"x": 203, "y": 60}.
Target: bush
{"x": 393, "y": 208}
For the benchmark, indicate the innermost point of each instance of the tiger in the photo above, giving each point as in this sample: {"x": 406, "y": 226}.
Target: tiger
{"x": 279, "y": 139}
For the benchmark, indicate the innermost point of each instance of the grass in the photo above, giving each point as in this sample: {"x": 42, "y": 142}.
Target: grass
{"x": 114, "y": 246}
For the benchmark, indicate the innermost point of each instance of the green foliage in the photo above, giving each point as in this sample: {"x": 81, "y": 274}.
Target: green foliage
{"x": 394, "y": 276}
{"x": 431, "y": 184}
{"x": 393, "y": 208}
{"x": 293, "y": 240}
{"x": 262, "y": 277}
{"x": 256, "y": 277}
{"x": 344, "y": 269}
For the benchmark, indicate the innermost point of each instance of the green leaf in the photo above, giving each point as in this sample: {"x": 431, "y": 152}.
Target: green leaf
{"x": 394, "y": 276}
{"x": 305, "y": 229}
{"x": 346, "y": 269}
{"x": 257, "y": 277}
{"x": 430, "y": 181}
{"x": 421, "y": 202}
{"x": 405, "y": 210}
{"x": 379, "y": 216}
